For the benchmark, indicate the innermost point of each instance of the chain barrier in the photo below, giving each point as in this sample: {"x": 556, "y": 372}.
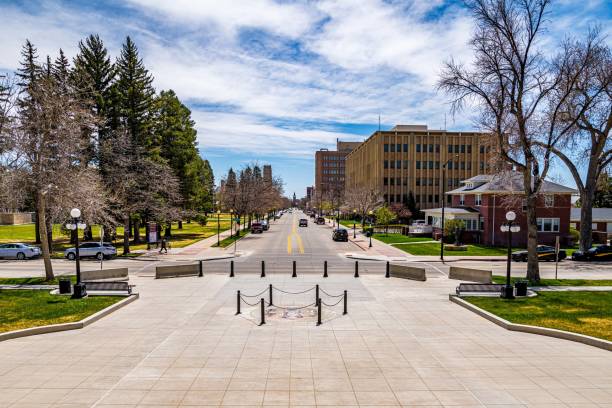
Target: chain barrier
{"x": 250, "y": 304}
{"x": 332, "y": 305}
{"x": 259, "y": 294}
{"x": 334, "y": 296}
{"x": 293, "y": 293}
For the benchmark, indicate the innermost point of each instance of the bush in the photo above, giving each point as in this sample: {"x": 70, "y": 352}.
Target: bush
{"x": 575, "y": 234}
{"x": 201, "y": 219}
{"x": 449, "y": 229}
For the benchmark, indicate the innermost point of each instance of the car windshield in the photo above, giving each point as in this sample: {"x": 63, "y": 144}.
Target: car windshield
{"x": 592, "y": 249}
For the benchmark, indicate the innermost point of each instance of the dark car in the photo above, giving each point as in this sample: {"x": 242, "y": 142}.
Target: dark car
{"x": 598, "y": 253}
{"x": 265, "y": 225}
{"x": 340, "y": 235}
{"x": 256, "y": 227}
{"x": 545, "y": 253}
{"x": 320, "y": 221}
{"x": 303, "y": 222}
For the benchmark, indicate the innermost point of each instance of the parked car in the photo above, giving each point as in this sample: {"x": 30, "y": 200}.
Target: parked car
{"x": 265, "y": 225}
{"x": 92, "y": 250}
{"x": 598, "y": 253}
{"x": 545, "y": 253}
{"x": 340, "y": 234}
{"x": 303, "y": 222}
{"x": 18, "y": 251}
{"x": 320, "y": 221}
{"x": 256, "y": 227}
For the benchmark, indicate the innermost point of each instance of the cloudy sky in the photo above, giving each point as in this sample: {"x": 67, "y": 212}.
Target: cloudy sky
{"x": 273, "y": 81}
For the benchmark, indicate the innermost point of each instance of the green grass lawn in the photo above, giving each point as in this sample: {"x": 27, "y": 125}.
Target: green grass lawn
{"x": 434, "y": 249}
{"x": 587, "y": 313}
{"x": 557, "y": 282}
{"x": 190, "y": 234}
{"x": 399, "y": 238}
{"x": 33, "y": 281}
{"x": 21, "y": 309}
{"x": 230, "y": 240}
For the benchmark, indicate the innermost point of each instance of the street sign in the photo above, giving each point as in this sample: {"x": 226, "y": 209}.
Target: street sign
{"x": 152, "y": 238}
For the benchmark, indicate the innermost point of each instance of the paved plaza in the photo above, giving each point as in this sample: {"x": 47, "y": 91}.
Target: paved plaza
{"x": 401, "y": 343}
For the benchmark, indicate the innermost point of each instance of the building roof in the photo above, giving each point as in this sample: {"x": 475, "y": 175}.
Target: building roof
{"x": 452, "y": 210}
{"x": 506, "y": 182}
{"x": 599, "y": 214}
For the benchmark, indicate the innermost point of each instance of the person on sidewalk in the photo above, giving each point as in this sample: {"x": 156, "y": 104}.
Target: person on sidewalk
{"x": 163, "y": 246}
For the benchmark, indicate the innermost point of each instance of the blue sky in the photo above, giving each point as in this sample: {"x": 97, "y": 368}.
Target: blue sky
{"x": 273, "y": 81}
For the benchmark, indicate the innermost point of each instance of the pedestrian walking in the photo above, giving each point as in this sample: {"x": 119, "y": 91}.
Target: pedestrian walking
{"x": 164, "y": 246}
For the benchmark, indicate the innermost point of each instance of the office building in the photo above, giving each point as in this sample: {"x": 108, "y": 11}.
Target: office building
{"x": 329, "y": 169}
{"x": 410, "y": 158}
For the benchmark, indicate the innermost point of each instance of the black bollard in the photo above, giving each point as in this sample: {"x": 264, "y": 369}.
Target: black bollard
{"x": 238, "y": 303}
{"x": 356, "y": 269}
{"x": 325, "y": 269}
{"x": 231, "y": 269}
{"x": 263, "y": 269}
{"x": 387, "y": 271}
{"x": 270, "y": 291}
{"x": 294, "y": 275}
{"x": 318, "y": 312}
{"x": 345, "y": 303}
{"x": 200, "y": 269}
{"x": 316, "y": 292}
{"x": 263, "y": 312}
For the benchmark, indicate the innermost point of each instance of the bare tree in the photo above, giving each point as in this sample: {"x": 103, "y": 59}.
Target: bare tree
{"x": 589, "y": 107}
{"x": 362, "y": 199}
{"x": 520, "y": 93}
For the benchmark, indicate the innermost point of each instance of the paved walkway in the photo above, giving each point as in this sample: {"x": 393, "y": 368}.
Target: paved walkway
{"x": 402, "y": 342}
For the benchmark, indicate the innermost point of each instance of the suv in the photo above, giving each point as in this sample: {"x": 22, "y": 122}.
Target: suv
{"x": 256, "y": 227}
{"x": 92, "y": 249}
{"x": 303, "y": 222}
{"x": 265, "y": 225}
{"x": 320, "y": 221}
{"x": 340, "y": 234}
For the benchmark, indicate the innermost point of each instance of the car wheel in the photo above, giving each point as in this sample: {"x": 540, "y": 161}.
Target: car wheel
{"x": 71, "y": 256}
{"x": 21, "y": 256}
{"x": 99, "y": 256}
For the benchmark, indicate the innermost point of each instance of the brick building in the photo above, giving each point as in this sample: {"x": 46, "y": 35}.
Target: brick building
{"x": 482, "y": 202}
{"x": 329, "y": 169}
{"x": 410, "y": 158}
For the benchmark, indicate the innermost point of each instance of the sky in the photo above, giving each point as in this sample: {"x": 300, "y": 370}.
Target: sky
{"x": 273, "y": 81}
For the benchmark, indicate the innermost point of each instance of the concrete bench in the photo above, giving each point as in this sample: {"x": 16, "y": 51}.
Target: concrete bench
{"x": 116, "y": 274}
{"x": 469, "y": 274}
{"x": 478, "y": 288}
{"x": 407, "y": 272}
{"x": 115, "y": 286}
{"x": 176, "y": 271}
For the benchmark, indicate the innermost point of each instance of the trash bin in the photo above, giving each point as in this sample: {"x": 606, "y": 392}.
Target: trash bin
{"x": 521, "y": 288}
{"x": 64, "y": 286}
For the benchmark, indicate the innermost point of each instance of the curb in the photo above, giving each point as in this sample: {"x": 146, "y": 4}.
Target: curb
{"x": 542, "y": 331}
{"x": 52, "y": 328}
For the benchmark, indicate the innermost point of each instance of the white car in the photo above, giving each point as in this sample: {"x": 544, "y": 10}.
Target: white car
{"x": 19, "y": 251}
{"x": 92, "y": 249}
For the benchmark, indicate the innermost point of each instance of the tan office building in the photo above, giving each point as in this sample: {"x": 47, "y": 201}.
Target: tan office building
{"x": 409, "y": 158}
{"x": 330, "y": 169}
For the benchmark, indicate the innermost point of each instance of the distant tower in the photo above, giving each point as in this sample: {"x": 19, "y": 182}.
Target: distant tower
{"x": 294, "y": 200}
{"x": 267, "y": 173}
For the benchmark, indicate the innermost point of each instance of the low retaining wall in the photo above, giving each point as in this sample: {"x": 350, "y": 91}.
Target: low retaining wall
{"x": 176, "y": 271}
{"x": 52, "y": 328}
{"x": 543, "y": 331}
{"x": 471, "y": 275}
{"x": 16, "y": 218}
{"x": 407, "y": 272}
{"x": 114, "y": 274}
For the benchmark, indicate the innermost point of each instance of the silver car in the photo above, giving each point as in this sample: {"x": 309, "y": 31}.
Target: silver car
{"x": 92, "y": 249}
{"x": 19, "y": 251}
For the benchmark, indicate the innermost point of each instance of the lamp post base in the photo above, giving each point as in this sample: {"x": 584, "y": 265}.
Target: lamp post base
{"x": 79, "y": 291}
{"x": 507, "y": 292}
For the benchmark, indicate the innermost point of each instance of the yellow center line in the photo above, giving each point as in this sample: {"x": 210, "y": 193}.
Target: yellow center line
{"x": 297, "y": 238}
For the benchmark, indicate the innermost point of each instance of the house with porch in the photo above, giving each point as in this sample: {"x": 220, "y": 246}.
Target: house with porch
{"x": 483, "y": 201}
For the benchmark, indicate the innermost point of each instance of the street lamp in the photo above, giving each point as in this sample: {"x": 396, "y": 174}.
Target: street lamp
{"x": 443, "y": 203}
{"x": 509, "y": 227}
{"x": 79, "y": 290}
{"x": 371, "y": 230}
{"x": 218, "y": 228}
{"x": 354, "y": 224}
{"x": 231, "y": 222}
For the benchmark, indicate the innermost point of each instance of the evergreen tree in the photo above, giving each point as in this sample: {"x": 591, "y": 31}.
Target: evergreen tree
{"x": 61, "y": 72}
{"x": 135, "y": 94}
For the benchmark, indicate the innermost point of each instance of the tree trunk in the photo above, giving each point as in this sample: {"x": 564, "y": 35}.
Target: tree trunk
{"x": 533, "y": 268}
{"x": 136, "y": 225}
{"x": 586, "y": 217}
{"x": 168, "y": 232}
{"x": 180, "y": 225}
{"x": 129, "y": 228}
{"x": 37, "y": 227}
{"x": 88, "y": 233}
{"x": 49, "y": 228}
{"x": 126, "y": 234}
{"x": 41, "y": 209}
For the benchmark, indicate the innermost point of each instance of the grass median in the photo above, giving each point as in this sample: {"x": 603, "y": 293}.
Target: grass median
{"x": 230, "y": 240}
{"x": 588, "y": 313}
{"x": 400, "y": 239}
{"x": 39, "y": 280}
{"x": 22, "y": 309}
{"x": 556, "y": 282}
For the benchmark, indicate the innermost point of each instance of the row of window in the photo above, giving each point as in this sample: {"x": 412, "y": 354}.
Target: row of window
{"x": 419, "y": 181}
{"x": 548, "y": 224}
{"x": 431, "y": 148}
{"x": 477, "y": 199}
{"x": 436, "y": 165}
{"x": 333, "y": 158}
{"x": 333, "y": 171}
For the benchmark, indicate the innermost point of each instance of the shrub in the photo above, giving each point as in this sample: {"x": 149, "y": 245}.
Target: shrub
{"x": 449, "y": 228}
{"x": 201, "y": 219}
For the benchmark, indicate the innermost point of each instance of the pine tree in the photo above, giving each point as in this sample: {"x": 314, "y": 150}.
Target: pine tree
{"x": 61, "y": 72}
{"x": 135, "y": 94}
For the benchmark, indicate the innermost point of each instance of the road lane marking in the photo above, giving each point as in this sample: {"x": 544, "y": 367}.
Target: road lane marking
{"x": 298, "y": 238}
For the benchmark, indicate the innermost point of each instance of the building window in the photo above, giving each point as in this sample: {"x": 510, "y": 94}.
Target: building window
{"x": 469, "y": 165}
{"x": 430, "y": 198}
{"x": 436, "y": 198}
{"x": 392, "y": 164}
{"x": 594, "y": 226}
{"x": 386, "y": 164}
{"x": 449, "y": 199}
{"x": 392, "y": 181}
{"x": 469, "y": 149}
{"x": 385, "y": 181}
{"x": 481, "y": 166}
{"x": 462, "y": 163}
{"x": 392, "y": 148}
{"x": 437, "y": 165}
{"x": 482, "y": 149}
{"x": 478, "y": 199}
{"x": 548, "y": 224}
{"x": 450, "y": 164}
{"x": 437, "y": 181}
{"x": 405, "y": 164}
{"x": 456, "y": 148}
{"x": 431, "y": 148}
{"x": 405, "y": 181}
{"x": 431, "y": 165}
{"x": 386, "y": 147}
{"x": 398, "y": 164}
{"x": 462, "y": 148}
{"x": 450, "y": 148}
{"x": 398, "y": 149}
{"x": 462, "y": 199}
{"x": 437, "y": 148}
{"x": 418, "y": 148}
{"x": 418, "y": 164}
{"x": 418, "y": 181}
{"x": 417, "y": 198}
{"x": 405, "y": 147}
{"x": 549, "y": 200}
